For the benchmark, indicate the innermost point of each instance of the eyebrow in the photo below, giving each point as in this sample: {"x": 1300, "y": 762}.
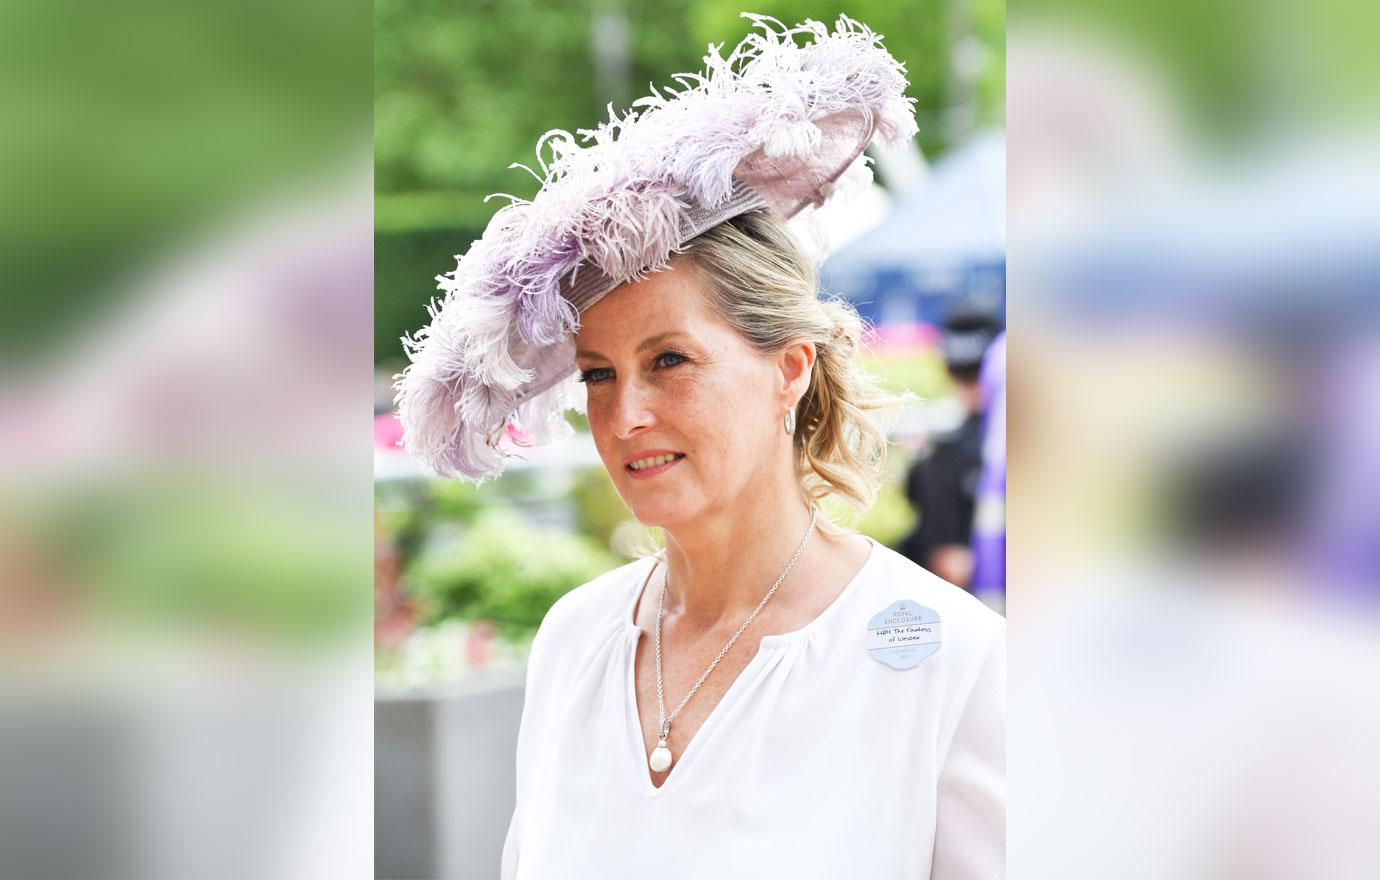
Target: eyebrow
{"x": 649, "y": 342}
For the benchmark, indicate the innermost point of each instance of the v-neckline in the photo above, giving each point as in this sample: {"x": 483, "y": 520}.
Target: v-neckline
{"x": 703, "y": 732}
{"x": 634, "y": 712}
{"x": 767, "y": 645}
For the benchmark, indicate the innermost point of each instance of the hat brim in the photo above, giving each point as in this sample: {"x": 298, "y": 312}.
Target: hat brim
{"x": 772, "y": 126}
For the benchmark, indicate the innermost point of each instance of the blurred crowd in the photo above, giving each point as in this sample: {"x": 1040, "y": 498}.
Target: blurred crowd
{"x": 957, "y": 484}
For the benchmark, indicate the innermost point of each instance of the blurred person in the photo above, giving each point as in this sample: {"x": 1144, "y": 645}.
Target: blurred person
{"x": 989, "y": 509}
{"x": 792, "y": 709}
{"x": 942, "y": 483}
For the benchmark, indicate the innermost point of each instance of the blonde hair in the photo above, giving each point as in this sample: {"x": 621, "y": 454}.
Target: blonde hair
{"x": 763, "y": 284}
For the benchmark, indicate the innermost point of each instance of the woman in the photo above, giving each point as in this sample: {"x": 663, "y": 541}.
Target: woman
{"x": 771, "y": 695}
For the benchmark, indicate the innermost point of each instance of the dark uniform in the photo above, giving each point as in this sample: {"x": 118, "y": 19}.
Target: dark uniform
{"x": 942, "y": 487}
{"x": 942, "y": 484}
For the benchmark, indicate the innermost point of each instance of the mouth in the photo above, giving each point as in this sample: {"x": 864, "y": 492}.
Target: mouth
{"x": 651, "y": 465}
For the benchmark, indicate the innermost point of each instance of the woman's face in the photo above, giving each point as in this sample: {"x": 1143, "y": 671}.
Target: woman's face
{"x": 668, "y": 379}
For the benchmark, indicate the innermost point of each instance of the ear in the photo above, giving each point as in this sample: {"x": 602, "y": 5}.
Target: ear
{"x": 795, "y": 363}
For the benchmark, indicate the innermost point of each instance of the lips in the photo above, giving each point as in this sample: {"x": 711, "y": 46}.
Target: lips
{"x": 650, "y": 462}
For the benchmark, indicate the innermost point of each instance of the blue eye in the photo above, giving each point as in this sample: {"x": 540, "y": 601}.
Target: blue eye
{"x": 595, "y": 375}
{"x": 664, "y": 360}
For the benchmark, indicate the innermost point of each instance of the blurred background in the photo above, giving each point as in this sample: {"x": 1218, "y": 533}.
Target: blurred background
{"x": 185, "y": 506}
{"x": 461, "y": 92}
{"x": 1195, "y": 485}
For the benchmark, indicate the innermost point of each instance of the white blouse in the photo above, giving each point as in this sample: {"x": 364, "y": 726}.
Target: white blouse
{"x": 819, "y": 762}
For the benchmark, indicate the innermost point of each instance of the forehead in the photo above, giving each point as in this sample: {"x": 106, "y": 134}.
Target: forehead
{"x": 670, "y": 300}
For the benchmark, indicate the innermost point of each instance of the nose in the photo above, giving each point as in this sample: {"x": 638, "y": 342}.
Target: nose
{"x": 630, "y": 410}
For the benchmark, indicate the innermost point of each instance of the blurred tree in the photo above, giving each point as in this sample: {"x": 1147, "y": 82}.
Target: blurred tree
{"x": 599, "y": 510}
{"x": 493, "y": 574}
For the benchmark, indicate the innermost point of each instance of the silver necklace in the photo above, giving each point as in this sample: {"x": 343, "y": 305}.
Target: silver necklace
{"x": 661, "y": 755}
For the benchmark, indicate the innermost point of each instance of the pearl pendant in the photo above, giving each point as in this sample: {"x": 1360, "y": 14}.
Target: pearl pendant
{"x": 660, "y": 760}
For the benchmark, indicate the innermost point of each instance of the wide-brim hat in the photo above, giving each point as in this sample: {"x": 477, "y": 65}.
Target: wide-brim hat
{"x": 780, "y": 124}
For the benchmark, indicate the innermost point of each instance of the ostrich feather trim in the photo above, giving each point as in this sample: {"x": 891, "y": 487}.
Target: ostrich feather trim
{"x": 773, "y": 125}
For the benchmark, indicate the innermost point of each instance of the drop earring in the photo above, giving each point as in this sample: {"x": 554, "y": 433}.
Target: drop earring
{"x": 790, "y": 421}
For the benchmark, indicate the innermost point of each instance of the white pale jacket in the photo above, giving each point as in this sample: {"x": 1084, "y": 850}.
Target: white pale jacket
{"x": 819, "y": 761}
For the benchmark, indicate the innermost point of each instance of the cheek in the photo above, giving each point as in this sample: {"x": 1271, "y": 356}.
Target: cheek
{"x": 715, "y": 413}
{"x": 598, "y": 427}
{"x": 725, "y": 414}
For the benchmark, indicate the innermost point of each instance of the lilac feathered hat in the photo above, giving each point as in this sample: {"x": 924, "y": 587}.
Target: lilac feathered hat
{"x": 775, "y": 125}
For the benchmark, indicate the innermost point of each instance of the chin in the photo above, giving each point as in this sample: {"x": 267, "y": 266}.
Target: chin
{"x": 660, "y": 510}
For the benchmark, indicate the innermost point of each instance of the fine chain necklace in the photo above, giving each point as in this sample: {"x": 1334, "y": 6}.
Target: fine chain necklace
{"x": 661, "y": 755}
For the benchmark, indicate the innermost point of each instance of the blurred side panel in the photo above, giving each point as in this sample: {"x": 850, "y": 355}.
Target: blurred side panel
{"x": 1194, "y": 502}
{"x": 185, "y": 382}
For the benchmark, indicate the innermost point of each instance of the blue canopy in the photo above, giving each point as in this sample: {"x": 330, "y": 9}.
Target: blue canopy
{"x": 944, "y": 244}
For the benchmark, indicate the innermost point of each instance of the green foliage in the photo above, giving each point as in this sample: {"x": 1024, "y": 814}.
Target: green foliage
{"x": 493, "y": 574}
{"x": 244, "y": 562}
{"x": 888, "y": 520}
{"x": 891, "y": 518}
{"x": 463, "y": 91}
{"x": 598, "y": 508}
{"x": 401, "y": 515}
{"x": 134, "y": 128}
{"x": 456, "y": 500}
{"x": 405, "y": 270}
{"x": 922, "y": 373}
{"x": 989, "y": 27}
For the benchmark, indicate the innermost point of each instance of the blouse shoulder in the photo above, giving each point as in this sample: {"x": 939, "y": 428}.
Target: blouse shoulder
{"x": 965, "y": 618}
{"x": 973, "y": 647}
